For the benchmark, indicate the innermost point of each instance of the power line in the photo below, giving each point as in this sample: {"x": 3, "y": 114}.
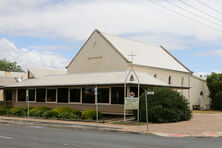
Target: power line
{"x": 175, "y": 5}
{"x": 200, "y": 10}
{"x": 184, "y": 16}
{"x": 209, "y": 7}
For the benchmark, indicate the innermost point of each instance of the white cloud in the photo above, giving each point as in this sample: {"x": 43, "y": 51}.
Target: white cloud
{"x": 75, "y": 20}
{"x": 31, "y": 58}
{"x": 50, "y": 47}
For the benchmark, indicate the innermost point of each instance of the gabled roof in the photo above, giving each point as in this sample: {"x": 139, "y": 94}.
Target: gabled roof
{"x": 146, "y": 55}
{"x": 105, "y": 78}
{"x": 38, "y": 72}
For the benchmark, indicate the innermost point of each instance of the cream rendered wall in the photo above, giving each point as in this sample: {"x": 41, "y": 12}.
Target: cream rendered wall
{"x": 199, "y": 85}
{"x": 97, "y": 55}
{"x": 163, "y": 75}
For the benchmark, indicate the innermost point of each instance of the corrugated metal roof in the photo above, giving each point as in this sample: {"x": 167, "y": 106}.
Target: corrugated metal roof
{"x": 146, "y": 55}
{"x": 5, "y": 81}
{"x": 39, "y": 72}
{"x": 100, "y": 78}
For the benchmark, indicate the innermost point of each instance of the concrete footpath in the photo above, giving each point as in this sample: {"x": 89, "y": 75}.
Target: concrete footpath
{"x": 201, "y": 125}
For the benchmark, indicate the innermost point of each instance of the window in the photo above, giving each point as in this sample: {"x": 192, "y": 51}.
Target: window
{"x": 75, "y": 95}
{"x": 8, "y": 95}
{"x": 103, "y": 95}
{"x": 135, "y": 90}
{"x": 40, "y": 95}
{"x": 31, "y": 95}
{"x": 63, "y": 95}
{"x": 88, "y": 95}
{"x": 117, "y": 95}
{"x": 51, "y": 95}
{"x": 169, "y": 80}
{"x": 22, "y": 95}
{"x": 155, "y": 75}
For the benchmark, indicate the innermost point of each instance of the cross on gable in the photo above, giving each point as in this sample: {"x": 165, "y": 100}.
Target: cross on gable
{"x": 132, "y": 55}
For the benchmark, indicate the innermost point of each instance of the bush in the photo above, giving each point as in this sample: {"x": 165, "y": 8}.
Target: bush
{"x": 65, "y": 110}
{"x": 4, "y": 109}
{"x": 50, "y": 114}
{"x": 68, "y": 115}
{"x": 38, "y": 111}
{"x": 90, "y": 115}
{"x": 17, "y": 111}
{"x": 165, "y": 106}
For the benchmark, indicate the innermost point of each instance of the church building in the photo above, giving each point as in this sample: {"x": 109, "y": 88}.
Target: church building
{"x": 105, "y": 61}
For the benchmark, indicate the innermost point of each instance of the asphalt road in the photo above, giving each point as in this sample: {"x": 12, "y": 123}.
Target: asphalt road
{"x": 16, "y": 136}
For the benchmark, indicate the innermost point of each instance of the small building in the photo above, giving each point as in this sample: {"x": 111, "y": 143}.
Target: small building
{"x": 104, "y": 62}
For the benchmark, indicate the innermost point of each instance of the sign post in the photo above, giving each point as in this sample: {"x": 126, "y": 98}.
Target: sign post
{"x": 97, "y": 118}
{"x": 147, "y": 93}
{"x": 27, "y": 99}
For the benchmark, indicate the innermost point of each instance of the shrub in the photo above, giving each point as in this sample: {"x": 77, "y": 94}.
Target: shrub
{"x": 4, "y": 109}
{"x": 17, "y": 111}
{"x": 90, "y": 115}
{"x": 50, "y": 114}
{"x": 38, "y": 111}
{"x": 165, "y": 106}
{"x": 68, "y": 115}
{"x": 64, "y": 110}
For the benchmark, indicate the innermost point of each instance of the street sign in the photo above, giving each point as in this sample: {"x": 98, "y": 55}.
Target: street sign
{"x": 27, "y": 93}
{"x": 131, "y": 103}
{"x": 95, "y": 90}
{"x": 150, "y": 93}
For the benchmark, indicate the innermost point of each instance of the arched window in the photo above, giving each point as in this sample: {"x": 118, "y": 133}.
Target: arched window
{"x": 155, "y": 75}
{"x": 182, "y": 81}
{"x": 169, "y": 80}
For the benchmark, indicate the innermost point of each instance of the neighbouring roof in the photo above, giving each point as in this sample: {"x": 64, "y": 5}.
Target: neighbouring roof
{"x": 100, "y": 78}
{"x": 146, "y": 55}
{"x": 38, "y": 72}
{"x": 5, "y": 81}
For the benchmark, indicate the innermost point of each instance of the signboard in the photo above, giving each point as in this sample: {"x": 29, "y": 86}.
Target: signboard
{"x": 95, "y": 90}
{"x": 27, "y": 93}
{"x": 131, "y": 94}
{"x": 150, "y": 93}
{"x": 131, "y": 103}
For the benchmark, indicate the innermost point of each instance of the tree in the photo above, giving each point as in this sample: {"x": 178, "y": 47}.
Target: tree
{"x": 214, "y": 83}
{"x": 6, "y": 65}
{"x": 166, "y": 105}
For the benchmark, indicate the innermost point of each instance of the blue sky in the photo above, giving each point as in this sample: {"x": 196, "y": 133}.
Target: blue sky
{"x": 48, "y": 33}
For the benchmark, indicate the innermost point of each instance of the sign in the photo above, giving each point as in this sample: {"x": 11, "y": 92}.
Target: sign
{"x": 131, "y": 94}
{"x": 150, "y": 93}
{"x": 27, "y": 93}
{"x": 95, "y": 90}
{"x": 131, "y": 103}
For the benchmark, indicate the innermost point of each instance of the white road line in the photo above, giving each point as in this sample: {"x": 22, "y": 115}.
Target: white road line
{"x": 6, "y": 137}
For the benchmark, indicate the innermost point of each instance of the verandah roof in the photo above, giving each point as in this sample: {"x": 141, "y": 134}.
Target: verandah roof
{"x": 94, "y": 78}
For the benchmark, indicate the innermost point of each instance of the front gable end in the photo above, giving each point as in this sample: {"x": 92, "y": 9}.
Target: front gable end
{"x": 97, "y": 55}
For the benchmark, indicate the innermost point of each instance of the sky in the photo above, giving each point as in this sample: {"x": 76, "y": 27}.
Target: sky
{"x": 49, "y": 33}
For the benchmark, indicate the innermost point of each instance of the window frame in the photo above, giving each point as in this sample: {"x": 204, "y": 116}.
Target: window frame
{"x": 45, "y": 94}
{"x": 58, "y": 97}
{"x": 80, "y": 102}
{"x": 35, "y": 94}
{"x": 109, "y": 103}
{"x": 55, "y": 94}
